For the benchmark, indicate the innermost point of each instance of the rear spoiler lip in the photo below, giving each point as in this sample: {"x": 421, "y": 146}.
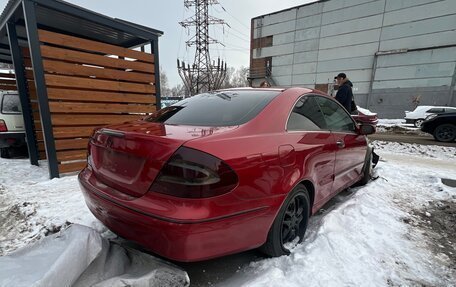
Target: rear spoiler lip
{"x": 112, "y": 133}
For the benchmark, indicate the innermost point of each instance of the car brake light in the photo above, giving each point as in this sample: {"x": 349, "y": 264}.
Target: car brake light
{"x": 3, "y": 127}
{"x": 191, "y": 173}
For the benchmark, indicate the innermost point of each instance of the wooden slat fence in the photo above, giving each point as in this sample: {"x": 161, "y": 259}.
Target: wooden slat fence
{"x": 89, "y": 84}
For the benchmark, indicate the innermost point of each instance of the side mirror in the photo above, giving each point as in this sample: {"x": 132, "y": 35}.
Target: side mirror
{"x": 366, "y": 129}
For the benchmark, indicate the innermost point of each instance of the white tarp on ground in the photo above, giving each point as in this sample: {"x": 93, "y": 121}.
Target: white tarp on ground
{"x": 78, "y": 256}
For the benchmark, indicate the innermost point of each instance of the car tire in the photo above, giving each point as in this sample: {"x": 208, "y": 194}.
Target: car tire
{"x": 291, "y": 222}
{"x": 367, "y": 171}
{"x": 4, "y": 152}
{"x": 445, "y": 133}
{"x": 418, "y": 123}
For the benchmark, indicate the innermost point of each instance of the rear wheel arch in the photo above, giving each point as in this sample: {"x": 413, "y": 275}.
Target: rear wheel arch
{"x": 290, "y": 222}
{"x": 310, "y": 191}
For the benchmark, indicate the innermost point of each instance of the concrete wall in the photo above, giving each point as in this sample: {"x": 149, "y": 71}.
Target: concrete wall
{"x": 312, "y": 43}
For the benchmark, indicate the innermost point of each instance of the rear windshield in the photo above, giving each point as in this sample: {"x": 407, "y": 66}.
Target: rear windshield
{"x": 223, "y": 108}
{"x": 10, "y": 104}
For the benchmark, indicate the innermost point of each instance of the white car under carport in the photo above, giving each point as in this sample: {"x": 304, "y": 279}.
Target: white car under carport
{"x": 12, "y": 132}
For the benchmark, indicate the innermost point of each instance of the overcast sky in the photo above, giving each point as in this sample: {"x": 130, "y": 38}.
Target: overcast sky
{"x": 165, "y": 15}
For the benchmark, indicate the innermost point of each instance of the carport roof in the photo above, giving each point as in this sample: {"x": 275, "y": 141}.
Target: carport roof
{"x": 63, "y": 17}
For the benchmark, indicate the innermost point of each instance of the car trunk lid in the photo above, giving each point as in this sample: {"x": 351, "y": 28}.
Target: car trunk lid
{"x": 127, "y": 157}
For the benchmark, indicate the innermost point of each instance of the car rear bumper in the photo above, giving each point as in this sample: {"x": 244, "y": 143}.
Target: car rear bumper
{"x": 363, "y": 119}
{"x": 8, "y": 139}
{"x": 427, "y": 127}
{"x": 178, "y": 239}
{"x": 367, "y": 121}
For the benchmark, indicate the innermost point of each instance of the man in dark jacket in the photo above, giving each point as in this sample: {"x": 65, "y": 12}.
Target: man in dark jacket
{"x": 344, "y": 93}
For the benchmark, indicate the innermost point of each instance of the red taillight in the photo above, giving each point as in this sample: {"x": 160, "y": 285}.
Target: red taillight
{"x": 191, "y": 173}
{"x": 3, "y": 127}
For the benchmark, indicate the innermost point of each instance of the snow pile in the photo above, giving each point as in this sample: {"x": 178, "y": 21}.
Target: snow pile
{"x": 396, "y": 125}
{"x": 432, "y": 151}
{"x": 390, "y": 122}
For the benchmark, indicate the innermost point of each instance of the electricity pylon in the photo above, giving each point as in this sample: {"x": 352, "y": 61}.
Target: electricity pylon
{"x": 202, "y": 75}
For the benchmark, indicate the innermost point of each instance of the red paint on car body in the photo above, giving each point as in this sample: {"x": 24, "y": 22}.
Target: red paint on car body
{"x": 126, "y": 160}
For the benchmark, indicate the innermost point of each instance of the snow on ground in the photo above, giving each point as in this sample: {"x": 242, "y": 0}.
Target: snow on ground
{"x": 417, "y": 150}
{"x": 390, "y": 122}
{"x": 375, "y": 236}
{"x": 32, "y": 206}
{"x": 397, "y": 126}
{"x": 388, "y": 233}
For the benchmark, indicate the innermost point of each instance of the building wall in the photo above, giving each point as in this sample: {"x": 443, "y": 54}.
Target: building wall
{"x": 397, "y": 53}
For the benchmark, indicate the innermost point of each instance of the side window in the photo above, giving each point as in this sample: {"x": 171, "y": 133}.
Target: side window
{"x": 337, "y": 119}
{"x": 436, "y": 110}
{"x": 306, "y": 116}
{"x": 11, "y": 104}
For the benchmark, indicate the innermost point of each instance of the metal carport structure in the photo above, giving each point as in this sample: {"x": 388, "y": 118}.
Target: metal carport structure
{"x": 75, "y": 70}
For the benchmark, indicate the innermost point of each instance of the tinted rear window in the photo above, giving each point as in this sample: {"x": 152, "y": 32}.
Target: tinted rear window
{"x": 11, "y": 104}
{"x": 224, "y": 108}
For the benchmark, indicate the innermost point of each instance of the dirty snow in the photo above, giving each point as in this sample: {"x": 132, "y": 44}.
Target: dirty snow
{"x": 391, "y": 122}
{"x": 377, "y": 235}
{"x": 397, "y": 126}
{"x": 32, "y": 206}
{"x": 417, "y": 151}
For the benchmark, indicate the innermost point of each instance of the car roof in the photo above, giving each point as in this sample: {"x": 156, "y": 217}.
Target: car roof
{"x": 254, "y": 89}
{"x": 278, "y": 89}
{"x": 432, "y": 107}
{"x": 8, "y": 93}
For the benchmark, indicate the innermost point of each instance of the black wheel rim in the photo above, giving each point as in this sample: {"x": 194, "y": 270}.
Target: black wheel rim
{"x": 445, "y": 133}
{"x": 294, "y": 220}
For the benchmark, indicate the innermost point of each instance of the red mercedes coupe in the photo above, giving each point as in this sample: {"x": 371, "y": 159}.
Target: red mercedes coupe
{"x": 225, "y": 171}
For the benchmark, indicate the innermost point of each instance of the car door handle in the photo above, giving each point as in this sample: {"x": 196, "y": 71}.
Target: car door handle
{"x": 340, "y": 143}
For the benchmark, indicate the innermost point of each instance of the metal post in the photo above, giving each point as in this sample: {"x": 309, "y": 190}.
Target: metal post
{"x": 40, "y": 84}
{"x": 22, "y": 89}
{"x": 154, "y": 50}
{"x": 371, "y": 84}
{"x": 452, "y": 86}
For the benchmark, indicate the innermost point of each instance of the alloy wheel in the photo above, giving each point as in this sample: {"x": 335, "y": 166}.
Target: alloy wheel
{"x": 292, "y": 223}
{"x": 418, "y": 123}
{"x": 445, "y": 133}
